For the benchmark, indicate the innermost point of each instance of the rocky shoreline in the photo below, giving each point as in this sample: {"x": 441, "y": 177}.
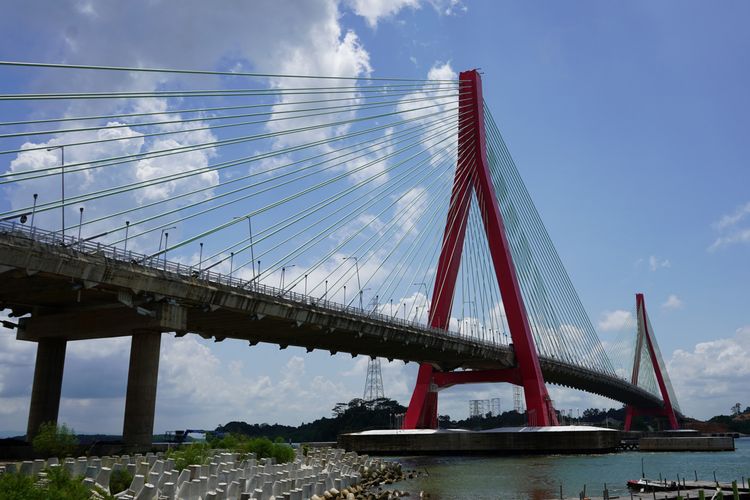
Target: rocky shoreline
{"x": 371, "y": 484}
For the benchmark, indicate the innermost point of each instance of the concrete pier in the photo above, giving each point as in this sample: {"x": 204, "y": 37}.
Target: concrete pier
{"x": 504, "y": 440}
{"x": 140, "y": 400}
{"x": 48, "y": 375}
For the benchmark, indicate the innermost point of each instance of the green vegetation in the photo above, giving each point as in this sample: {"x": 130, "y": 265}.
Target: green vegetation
{"x": 190, "y": 454}
{"x": 59, "y": 486}
{"x": 200, "y": 453}
{"x": 55, "y": 441}
{"x": 261, "y": 446}
{"x": 120, "y": 480}
{"x": 356, "y": 415}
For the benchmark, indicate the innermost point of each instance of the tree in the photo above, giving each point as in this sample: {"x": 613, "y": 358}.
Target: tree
{"x": 53, "y": 440}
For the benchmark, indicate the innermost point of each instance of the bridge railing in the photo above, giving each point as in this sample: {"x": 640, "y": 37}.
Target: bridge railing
{"x": 86, "y": 246}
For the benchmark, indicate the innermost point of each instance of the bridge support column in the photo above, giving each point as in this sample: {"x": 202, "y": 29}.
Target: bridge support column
{"x": 140, "y": 400}
{"x": 48, "y": 375}
{"x": 422, "y": 410}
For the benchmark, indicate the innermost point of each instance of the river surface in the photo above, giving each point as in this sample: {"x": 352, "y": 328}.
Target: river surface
{"x": 540, "y": 477}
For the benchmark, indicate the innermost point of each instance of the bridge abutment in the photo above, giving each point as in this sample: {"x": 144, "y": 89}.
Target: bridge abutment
{"x": 140, "y": 399}
{"x": 48, "y": 376}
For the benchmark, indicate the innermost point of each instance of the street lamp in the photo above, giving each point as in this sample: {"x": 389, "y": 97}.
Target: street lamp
{"x": 127, "y": 227}
{"x": 283, "y": 270}
{"x": 165, "y": 235}
{"x": 33, "y": 211}
{"x": 80, "y": 225}
{"x": 62, "y": 183}
{"x": 252, "y": 253}
{"x": 231, "y": 265}
{"x": 359, "y": 286}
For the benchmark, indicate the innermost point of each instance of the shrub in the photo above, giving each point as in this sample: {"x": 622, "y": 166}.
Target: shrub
{"x": 120, "y": 480}
{"x": 190, "y": 454}
{"x": 59, "y": 486}
{"x": 54, "y": 440}
{"x": 19, "y": 487}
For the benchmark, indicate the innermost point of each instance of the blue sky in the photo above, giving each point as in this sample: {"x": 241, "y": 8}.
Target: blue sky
{"x": 628, "y": 123}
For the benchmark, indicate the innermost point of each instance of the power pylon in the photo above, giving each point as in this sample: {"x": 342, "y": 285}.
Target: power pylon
{"x": 374, "y": 383}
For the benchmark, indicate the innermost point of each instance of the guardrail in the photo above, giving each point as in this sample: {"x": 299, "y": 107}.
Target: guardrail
{"x": 210, "y": 277}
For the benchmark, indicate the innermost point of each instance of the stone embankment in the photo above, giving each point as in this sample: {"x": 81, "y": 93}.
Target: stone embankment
{"x": 323, "y": 473}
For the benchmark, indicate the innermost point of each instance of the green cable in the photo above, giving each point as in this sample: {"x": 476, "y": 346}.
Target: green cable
{"x": 204, "y": 72}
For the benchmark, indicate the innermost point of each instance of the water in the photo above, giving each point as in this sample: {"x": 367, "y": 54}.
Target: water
{"x": 540, "y": 477}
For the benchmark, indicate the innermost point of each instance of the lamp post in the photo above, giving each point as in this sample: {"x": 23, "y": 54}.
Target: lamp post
{"x": 62, "y": 184}
{"x": 127, "y": 227}
{"x": 359, "y": 285}
{"x": 250, "y": 229}
{"x": 166, "y": 245}
{"x": 421, "y": 284}
{"x": 80, "y": 225}
{"x": 305, "y": 285}
{"x": 283, "y": 270}
{"x": 161, "y": 236}
{"x": 200, "y": 258}
{"x": 231, "y": 265}
{"x": 33, "y": 211}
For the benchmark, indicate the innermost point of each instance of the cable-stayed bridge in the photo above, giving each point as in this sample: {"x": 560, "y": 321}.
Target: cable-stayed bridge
{"x": 375, "y": 216}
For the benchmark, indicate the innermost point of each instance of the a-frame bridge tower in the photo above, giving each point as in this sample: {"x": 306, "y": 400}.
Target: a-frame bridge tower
{"x": 473, "y": 176}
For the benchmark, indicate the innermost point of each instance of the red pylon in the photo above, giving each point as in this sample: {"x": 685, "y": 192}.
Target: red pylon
{"x": 646, "y": 335}
{"x": 473, "y": 175}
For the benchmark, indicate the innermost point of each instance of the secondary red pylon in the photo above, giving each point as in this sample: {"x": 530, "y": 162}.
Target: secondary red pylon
{"x": 473, "y": 174}
{"x": 645, "y": 334}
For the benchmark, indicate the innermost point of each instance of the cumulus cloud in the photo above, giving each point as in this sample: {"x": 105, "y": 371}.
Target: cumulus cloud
{"x": 615, "y": 320}
{"x": 375, "y": 10}
{"x": 672, "y": 302}
{"x": 708, "y": 378}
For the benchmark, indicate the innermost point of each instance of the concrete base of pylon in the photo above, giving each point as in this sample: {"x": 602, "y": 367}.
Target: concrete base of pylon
{"x": 499, "y": 441}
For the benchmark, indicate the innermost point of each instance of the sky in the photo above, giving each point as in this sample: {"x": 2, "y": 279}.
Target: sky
{"x": 628, "y": 122}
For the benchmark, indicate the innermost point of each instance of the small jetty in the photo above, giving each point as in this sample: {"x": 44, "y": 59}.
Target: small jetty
{"x": 663, "y": 489}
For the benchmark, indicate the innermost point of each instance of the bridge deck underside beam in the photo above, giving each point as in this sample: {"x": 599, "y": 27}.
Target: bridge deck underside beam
{"x": 46, "y": 280}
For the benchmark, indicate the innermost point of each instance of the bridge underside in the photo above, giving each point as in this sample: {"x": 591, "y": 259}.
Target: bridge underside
{"x": 72, "y": 295}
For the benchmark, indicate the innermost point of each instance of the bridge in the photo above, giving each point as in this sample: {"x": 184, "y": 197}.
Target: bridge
{"x": 411, "y": 186}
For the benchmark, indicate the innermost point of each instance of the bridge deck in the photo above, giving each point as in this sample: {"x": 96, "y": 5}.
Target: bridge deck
{"x": 81, "y": 291}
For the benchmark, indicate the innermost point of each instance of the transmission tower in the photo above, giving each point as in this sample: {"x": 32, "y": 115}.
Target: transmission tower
{"x": 517, "y": 405}
{"x": 374, "y": 383}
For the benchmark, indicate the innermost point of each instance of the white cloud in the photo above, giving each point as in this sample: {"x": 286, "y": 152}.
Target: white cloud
{"x": 732, "y": 219}
{"x": 374, "y": 10}
{"x": 615, "y": 320}
{"x": 672, "y": 302}
{"x": 654, "y": 263}
{"x": 730, "y": 229}
{"x": 709, "y": 378}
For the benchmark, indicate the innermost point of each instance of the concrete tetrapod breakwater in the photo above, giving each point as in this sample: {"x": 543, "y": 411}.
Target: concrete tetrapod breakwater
{"x": 321, "y": 473}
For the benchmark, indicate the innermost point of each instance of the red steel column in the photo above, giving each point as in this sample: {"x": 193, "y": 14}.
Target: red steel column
{"x": 668, "y": 410}
{"x": 473, "y": 172}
